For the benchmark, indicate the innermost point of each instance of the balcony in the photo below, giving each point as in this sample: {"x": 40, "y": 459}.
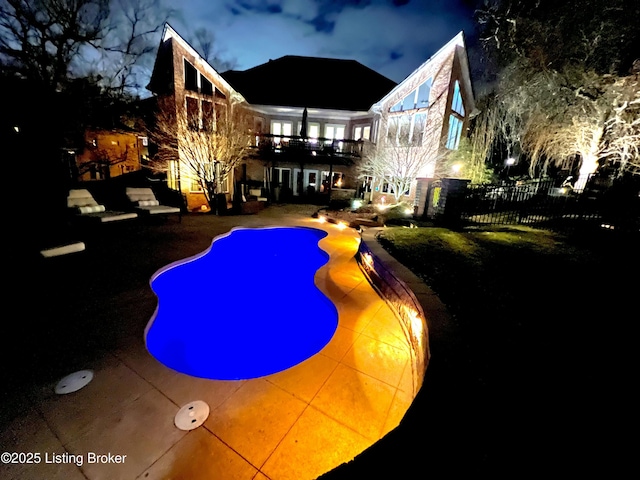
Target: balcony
{"x": 309, "y": 150}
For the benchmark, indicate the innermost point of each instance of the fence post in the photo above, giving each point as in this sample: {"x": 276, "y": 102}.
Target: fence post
{"x": 451, "y": 202}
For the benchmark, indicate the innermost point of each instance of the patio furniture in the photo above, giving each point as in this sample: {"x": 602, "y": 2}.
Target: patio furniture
{"x": 62, "y": 249}
{"x": 84, "y": 206}
{"x": 146, "y": 203}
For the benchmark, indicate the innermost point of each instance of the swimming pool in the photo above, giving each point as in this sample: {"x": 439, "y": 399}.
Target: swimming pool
{"x": 245, "y": 308}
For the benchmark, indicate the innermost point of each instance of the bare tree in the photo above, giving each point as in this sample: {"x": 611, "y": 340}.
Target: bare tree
{"x": 400, "y": 157}
{"x": 207, "y": 149}
{"x": 128, "y": 48}
{"x": 205, "y": 43}
{"x": 555, "y": 117}
{"x": 561, "y": 94}
{"x": 40, "y": 39}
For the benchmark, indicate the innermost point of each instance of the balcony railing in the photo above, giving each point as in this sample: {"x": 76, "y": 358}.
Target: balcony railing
{"x": 284, "y": 145}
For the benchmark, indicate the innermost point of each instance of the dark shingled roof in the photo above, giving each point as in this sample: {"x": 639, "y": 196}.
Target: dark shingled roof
{"x": 311, "y": 82}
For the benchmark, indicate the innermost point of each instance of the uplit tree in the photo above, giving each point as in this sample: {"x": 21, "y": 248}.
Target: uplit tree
{"x": 207, "y": 149}
{"x": 468, "y": 161}
{"x": 561, "y": 92}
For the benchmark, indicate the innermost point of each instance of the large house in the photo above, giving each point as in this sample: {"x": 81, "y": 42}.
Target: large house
{"x": 313, "y": 119}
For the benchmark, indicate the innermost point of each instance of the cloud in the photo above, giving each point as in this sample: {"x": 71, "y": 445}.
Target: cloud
{"x": 393, "y": 37}
{"x": 393, "y": 41}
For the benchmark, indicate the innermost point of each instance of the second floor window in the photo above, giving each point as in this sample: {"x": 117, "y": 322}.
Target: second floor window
{"x": 208, "y": 123}
{"x": 193, "y": 113}
{"x": 362, "y": 132}
{"x": 334, "y": 132}
{"x": 407, "y": 130}
{"x": 206, "y": 87}
{"x": 190, "y": 77}
{"x": 418, "y": 98}
{"x": 280, "y": 128}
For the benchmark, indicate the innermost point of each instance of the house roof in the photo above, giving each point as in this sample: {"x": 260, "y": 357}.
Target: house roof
{"x": 311, "y": 82}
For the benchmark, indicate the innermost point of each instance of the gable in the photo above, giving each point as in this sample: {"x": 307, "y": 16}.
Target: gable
{"x": 161, "y": 81}
{"x": 176, "y": 61}
{"x": 445, "y": 66}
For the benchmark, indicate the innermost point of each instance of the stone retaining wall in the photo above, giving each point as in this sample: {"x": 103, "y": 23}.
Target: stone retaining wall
{"x": 388, "y": 277}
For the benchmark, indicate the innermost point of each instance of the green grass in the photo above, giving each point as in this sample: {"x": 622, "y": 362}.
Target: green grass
{"x": 471, "y": 269}
{"x": 522, "y": 299}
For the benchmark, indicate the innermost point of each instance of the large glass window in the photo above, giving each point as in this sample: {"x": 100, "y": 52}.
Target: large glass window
{"x": 362, "y": 132}
{"x": 404, "y": 129}
{"x": 409, "y": 102}
{"x": 206, "y": 87}
{"x": 455, "y": 130}
{"x": 313, "y": 129}
{"x": 456, "y": 103}
{"x": 407, "y": 129}
{"x": 281, "y": 128}
{"x": 334, "y": 132}
{"x": 193, "y": 113}
{"x": 207, "y": 116}
{"x": 424, "y": 90}
{"x": 419, "y": 124}
{"x": 418, "y": 98}
{"x": 190, "y": 77}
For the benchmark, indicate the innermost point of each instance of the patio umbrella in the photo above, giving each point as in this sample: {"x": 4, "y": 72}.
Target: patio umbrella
{"x": 303, "y": 129}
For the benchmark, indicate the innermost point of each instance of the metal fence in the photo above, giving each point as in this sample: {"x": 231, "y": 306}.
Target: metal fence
{"x": 543, "y": 204}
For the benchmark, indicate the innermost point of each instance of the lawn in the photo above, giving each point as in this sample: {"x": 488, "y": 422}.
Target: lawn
{"x": 535, "y": 367}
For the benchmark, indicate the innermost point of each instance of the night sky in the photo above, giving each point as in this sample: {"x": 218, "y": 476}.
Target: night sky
{"x": 393, "y": 37}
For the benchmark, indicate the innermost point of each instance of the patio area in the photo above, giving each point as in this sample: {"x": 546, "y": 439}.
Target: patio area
{"x": 295, "y": 424}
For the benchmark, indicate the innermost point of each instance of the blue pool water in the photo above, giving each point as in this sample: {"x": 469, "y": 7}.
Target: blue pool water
{"x": 245, "y": 308}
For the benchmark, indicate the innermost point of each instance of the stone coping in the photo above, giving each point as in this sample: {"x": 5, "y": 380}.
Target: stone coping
{"x": 418, "y": 307}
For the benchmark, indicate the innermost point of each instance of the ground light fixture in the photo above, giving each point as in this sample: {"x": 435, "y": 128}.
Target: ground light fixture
{"x": 509, "y": 162}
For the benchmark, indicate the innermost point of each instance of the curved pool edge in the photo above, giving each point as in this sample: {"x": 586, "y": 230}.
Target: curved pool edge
{"x": 410, "y": 298}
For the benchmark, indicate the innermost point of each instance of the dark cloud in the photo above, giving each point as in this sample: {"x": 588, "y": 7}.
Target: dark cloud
{"x": 259, "y": 6}
{"x": 400, "y": 3}
{"x": 395, "y": 55}
{"x": 274, "y": 8}
{"x": 322, "y": 25}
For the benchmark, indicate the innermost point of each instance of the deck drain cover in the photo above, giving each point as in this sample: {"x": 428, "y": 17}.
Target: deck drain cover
{"x": 74, "y": 382}
{"x": 192, "y": 415}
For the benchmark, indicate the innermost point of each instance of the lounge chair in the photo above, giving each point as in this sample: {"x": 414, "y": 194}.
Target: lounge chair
{"x": 84, "y": 206}
{"x": 146, "y": 203}
{"x": 62, "y": 249}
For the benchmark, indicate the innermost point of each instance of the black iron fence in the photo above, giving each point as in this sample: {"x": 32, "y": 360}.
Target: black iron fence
{"x": 544, "y": 204}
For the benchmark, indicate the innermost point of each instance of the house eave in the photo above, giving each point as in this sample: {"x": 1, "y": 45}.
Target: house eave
{"x": 346, "y": 115}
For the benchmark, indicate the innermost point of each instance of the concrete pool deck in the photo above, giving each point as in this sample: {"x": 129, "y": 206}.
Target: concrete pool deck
{"x": 296, "y": 424}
